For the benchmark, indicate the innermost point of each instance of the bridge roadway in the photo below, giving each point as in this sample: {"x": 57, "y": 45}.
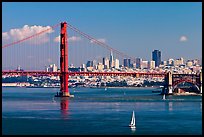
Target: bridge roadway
{"x": 44, "y": 73}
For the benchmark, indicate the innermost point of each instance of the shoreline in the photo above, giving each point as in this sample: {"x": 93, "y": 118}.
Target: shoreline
{"x": 188, "y": 94}
{"x": 125, "y": 87}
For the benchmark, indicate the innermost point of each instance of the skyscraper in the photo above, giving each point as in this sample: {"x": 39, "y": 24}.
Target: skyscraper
{"x": 156, "y": 56}
{"x": 111, "y": 60}
{"x": 138, "y": 62}
{"x": 127, "y": 63}
{"x": 89, "y": 64}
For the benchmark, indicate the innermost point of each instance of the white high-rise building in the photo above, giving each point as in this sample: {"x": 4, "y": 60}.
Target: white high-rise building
{"x": 117, "y": 63}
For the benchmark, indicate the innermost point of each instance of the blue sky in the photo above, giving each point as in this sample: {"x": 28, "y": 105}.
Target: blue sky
{"x": 135, "y": 28}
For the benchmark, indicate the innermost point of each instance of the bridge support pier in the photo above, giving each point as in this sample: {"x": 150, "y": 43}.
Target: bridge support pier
{"x": 64, "y": 90}
{"x": 170, "y": 90}
{"x": 168, "y": 85}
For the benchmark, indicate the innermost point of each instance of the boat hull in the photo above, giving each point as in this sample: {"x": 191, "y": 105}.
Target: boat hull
{"x": 133, "y": 127}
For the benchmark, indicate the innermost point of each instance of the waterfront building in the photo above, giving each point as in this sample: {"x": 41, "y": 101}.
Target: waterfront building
{"x": 156, "y": 56}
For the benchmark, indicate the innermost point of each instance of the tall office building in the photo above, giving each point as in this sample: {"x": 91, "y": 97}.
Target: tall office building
{"x": 138, "y": 62}
{"x": 127, "y": 63}
{"x": 89, "y": 64}
{"x": 156, "y": 56}
{"x": 111, "y": 60}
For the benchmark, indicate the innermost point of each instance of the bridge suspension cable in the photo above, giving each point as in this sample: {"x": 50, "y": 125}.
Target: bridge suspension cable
{"x": 24, "y": 39}
{"x": 98, "y": 42}
{"x": 76, "y": 30}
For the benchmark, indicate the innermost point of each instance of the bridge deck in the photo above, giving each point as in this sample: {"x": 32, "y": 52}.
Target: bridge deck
{"x": 44, "y": 73}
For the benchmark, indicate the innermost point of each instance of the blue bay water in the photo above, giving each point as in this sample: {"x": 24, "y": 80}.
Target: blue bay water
{"x": 99, "y": 112}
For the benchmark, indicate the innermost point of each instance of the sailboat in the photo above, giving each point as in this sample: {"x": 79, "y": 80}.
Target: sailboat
{"x": 53, "y": 99}
{"x": 132, "y": 123}
{"x": 164, "y": 97}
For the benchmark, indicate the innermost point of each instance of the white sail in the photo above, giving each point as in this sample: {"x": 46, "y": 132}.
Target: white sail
{"x": 133, "y": 119}
{"x": 132, "y": 123}
{"x": 164, "y": 97}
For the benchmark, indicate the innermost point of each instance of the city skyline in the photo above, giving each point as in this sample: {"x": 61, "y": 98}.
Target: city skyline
{"x": 137, "y": 63}
{"x": 136, "y": 34}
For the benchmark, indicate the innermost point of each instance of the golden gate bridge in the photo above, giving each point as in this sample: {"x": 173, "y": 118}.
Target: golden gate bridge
{"x": 65, "y": 51}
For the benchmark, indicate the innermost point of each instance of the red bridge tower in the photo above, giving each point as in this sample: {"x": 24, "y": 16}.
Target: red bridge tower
{"x": 64, "y": 90}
